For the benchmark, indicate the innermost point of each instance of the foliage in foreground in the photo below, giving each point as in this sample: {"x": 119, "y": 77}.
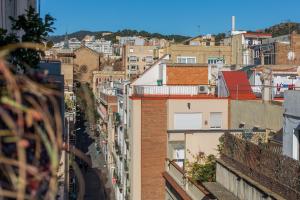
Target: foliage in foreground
{"x": 28, "y": 27}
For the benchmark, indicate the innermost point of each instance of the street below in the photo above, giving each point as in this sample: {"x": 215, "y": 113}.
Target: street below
{"x": 94, "y": 189}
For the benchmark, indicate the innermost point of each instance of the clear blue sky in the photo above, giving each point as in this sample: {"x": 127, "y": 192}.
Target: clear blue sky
{"x": 169, "y": 16}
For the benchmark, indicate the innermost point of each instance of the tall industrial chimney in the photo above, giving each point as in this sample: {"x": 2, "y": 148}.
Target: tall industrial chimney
{"x": 233, "y": 23}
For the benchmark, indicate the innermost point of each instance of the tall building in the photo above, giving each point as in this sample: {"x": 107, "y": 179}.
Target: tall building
{"x": 13, "y": 8}
{"x": 137, "y": 58}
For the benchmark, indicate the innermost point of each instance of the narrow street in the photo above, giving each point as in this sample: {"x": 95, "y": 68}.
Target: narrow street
{"x": 94, "y": 190}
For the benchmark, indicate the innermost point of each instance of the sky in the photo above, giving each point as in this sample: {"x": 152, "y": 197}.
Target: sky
{"x": 185, "y": 17}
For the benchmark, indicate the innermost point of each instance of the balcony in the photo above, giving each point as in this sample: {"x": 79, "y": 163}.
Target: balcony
{"x": 176, "y": 175}
{"x": 170, "y": 90}
{"x": 117, "y": 119}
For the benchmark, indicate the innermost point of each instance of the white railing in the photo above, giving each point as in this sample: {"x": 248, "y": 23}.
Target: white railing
{"x": 170, "y": 90}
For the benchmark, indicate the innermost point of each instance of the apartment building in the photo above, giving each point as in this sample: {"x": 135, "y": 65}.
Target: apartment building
{"x": 101, "y": 46}
{"x": 282, "y": 50}
{"x": 85, "y": 62}
{"x": 201, "y": 40}
{"x": 106, "y": 75}
{"x": 137, "y": 58}
{"x": 66, "y": 56}
{"x": 170, "y": 115}
{"x": 241, "y": 44}
{"x": 181, "y": 53}
{"x": 13, "y": 8}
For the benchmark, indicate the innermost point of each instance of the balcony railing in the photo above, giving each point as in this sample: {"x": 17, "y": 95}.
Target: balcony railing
{"x": 170, "y": 90}
{"x": 192, "y": 188}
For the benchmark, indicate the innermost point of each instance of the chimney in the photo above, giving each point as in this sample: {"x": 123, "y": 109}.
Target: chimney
{"x": 266, "y": 78}
{"x": 233, "y": 23}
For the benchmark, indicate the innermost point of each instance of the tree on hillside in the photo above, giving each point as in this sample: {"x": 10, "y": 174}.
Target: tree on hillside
{"x": 28, "y": 27}
{"x": 283, "y": 29}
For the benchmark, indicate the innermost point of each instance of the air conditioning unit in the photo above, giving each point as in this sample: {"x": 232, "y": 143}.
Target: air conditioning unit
{"x": 202, "y": 89}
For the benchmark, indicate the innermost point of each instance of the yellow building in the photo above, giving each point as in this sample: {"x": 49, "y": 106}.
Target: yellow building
{"x": 181, "y": 53}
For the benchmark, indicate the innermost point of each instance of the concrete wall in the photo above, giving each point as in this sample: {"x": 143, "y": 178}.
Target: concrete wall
{"x": 196, "y": 142}
{"x": 239, "y": 186}
{"x": 256, "y": 114}
{"x": 291, "y": 124}
{"x": 67, "y": 71}
{"x": 205, "y": 106}
{"x": 134, "y": 133}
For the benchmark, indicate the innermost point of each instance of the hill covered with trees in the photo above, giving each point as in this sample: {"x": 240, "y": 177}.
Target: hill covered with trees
{"x": 283, "y": 28}
{"x": 275, "y": 30}
{"x": 126, "y": 32}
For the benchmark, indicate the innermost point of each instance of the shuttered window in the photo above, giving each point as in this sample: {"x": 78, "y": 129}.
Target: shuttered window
{"x": 215, "y": 120}
{"x": 187, "y": 121}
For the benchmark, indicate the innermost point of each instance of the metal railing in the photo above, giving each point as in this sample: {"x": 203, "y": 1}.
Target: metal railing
{"x": 170, "y": 90}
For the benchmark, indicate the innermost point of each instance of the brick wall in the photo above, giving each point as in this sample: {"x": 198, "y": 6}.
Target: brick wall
{"x": 283, "y": 49}
{"x": 153, "y": 148}
{"x": 195, "y": 75}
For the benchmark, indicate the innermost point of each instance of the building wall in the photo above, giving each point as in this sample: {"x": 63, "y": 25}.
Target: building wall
{"x": 187, "y": 75}
{"x": 256, "y": 114}
{"x": 202, "y": 53}
{"x": 134, "y": 133}
{"x": 90, "y": 59}
{"x": 237, "y": 47}
{"x": 282, "y": 50}
{"x": 153, "y": 148}
{"x": 13, "y": 8}
{"x": 101, "y": 76}
{"x": 140, "y": 52}
{"x": 291, "y": 125}
{"x": 240, "y": 187}
{"x": 196, "y": 142}
{"x": 204, "y": 106}
{"x": 67, "y": 71}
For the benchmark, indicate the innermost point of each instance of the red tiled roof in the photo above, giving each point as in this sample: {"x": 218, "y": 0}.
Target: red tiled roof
{"x": 238, "y": 85}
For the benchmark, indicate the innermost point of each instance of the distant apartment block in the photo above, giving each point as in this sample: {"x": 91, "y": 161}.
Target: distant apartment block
{"x": 282, "y": 50}
{"x": 181, "y": 53}
{"x": 137, "y": 58}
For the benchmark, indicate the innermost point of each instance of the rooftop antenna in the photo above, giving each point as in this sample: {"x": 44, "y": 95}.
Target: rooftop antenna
{"x": 199, "y": 29}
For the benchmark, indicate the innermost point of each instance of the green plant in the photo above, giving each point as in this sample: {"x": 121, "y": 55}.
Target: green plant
{"x": 203, "y": 169}
{"x": 28, "y": 27}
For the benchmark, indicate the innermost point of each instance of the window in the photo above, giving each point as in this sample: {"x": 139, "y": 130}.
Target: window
{"x": 131, "y": 50}
{"x": 185, "y": 59}
{"x": 178, "y": 156}
{"x": 134, "y": 67}
{"x": 216, "y": 60}
{"x": 187, "y": 121}
{"x": 215, "y": 120}
{"x": 133, "y": 59}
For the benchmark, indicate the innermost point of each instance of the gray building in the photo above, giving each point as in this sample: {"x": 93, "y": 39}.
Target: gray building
{"x": 13, "y": 8}
{"x": 291, "y": 124}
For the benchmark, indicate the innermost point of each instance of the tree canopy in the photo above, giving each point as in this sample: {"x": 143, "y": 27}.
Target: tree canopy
{"x": 29, "y": 27}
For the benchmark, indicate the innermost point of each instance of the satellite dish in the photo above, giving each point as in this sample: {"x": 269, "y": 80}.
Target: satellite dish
{"x": 291, "y": 55}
